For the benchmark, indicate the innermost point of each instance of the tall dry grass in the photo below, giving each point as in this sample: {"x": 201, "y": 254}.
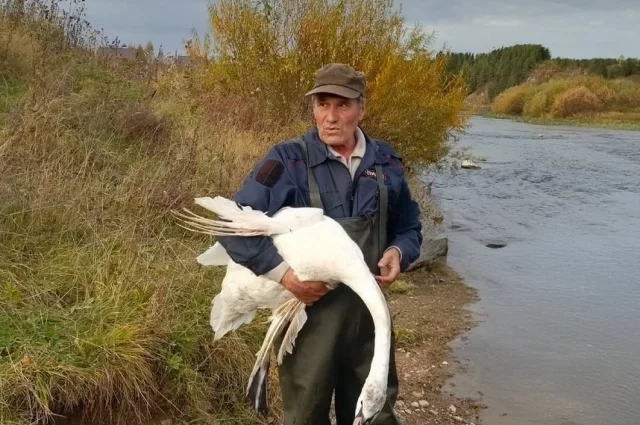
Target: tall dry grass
{"x": 103, "y": 310}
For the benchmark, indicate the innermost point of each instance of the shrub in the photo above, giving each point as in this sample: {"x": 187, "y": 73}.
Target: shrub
{"x": 572, "y": 94}
{"x": 574, "y": 101}
{"x": 543, "y": 96}
{"x": 264, "y": 59}
{"x": 511, "y": 101}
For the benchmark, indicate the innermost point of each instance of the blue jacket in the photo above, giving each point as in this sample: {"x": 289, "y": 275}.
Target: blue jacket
{"x": 280, "y": 179}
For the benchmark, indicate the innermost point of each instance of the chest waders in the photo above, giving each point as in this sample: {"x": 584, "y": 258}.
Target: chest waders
{"x": 335, "y": 347}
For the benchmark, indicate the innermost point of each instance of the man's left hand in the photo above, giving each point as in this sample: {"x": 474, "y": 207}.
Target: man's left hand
{"x": 389, "y": 267}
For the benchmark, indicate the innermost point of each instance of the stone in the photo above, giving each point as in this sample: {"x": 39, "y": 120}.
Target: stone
{"x": 467, "y": 163}
{"x": 453, "y": 409}
{"x": 415, "y": 404}
{"x": 431, "y": 252}
{"x": 458, "y": 419}
{"x": 423, "y": 403}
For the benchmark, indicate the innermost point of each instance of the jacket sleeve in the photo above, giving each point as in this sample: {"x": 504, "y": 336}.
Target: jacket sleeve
{"x": 268, "y": 188}
{"x": 405, "y": 228}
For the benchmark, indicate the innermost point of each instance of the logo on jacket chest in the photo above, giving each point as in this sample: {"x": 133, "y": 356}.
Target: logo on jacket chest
{"x": 371, "y": 173}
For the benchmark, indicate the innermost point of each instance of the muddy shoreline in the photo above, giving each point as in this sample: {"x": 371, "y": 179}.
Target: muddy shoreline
{"x": 428, "y": 309}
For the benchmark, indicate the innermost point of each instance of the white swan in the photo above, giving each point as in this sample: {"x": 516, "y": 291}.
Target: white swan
{"x": 317, "y": 248}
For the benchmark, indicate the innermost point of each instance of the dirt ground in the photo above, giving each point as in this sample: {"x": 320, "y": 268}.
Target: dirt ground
{"x": 428, "y": 311}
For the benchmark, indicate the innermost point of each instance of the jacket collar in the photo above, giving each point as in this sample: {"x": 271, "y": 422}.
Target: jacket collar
{"x": 319, "y": 153}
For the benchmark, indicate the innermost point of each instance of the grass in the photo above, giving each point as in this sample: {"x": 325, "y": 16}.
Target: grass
{"x": 103, "y": 309}
{"x": 104, "y": 312}
{"x": 406, "y": 337}
{"x": 401, "y": 287}
{"x": 11, "y": 91}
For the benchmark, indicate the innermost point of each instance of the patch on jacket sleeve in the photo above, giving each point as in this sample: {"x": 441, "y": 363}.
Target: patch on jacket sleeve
{"x": 270, "y": 172}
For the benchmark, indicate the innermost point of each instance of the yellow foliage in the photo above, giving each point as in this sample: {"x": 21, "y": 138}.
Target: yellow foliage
{"x": 581, "y": 96}
{"x": 511, "y": 101}
{"x": 575, "y": 101}
{"x": 264, "y": 60}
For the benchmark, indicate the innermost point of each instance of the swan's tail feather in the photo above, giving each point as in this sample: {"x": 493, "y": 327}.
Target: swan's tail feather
{"x": 298, "y": 319}
{"x": 228, "y": 209}
{"x": 195, "y": 223}
{"x": 257, "y": 392}
{"x": 256, "y": 387}
{"x": 222, "y": 322}
{"x": 244, "y": 217}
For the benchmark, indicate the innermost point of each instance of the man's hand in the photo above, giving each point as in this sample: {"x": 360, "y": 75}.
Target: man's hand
{"x": 389, "y": 267}
{"x": 308, "y": 292}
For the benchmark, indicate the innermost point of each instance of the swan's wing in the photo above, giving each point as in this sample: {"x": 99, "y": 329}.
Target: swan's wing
{"x": 245, "y": 221}
{"x": 214, "y": 256}
{"x": 242, "y": 294}
{"x": 224, "y": 318}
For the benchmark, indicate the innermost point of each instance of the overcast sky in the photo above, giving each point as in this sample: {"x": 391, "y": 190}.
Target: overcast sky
{"x": 569, "y": 28}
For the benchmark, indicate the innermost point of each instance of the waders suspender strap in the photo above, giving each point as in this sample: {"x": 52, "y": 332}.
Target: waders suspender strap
{"x": 384, "y": 202}
{"x": 314, "y": 195}
{"x": 314, "y": 191}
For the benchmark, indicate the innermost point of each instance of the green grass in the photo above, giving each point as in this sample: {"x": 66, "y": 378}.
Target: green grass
{"x": 405, "y": 337}
{"x": 11, "y": 91}
{"x": 401, "y": 287}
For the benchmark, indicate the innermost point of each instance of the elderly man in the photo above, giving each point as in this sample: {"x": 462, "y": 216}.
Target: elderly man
{"x": 359, "y": 182}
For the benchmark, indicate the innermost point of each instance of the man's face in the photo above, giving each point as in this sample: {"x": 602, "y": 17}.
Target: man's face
{"x": 337, "y": 118}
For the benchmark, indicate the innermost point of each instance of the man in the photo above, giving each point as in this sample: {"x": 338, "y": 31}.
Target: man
{"x": 359, "y": 182}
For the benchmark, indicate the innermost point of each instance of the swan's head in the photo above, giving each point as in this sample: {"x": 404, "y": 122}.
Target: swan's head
{"x": 370, "y": 402}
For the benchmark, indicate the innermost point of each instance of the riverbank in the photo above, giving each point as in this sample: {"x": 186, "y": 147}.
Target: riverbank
{"x": 574, "y": 122}
{"x": 563, "y": 99}
{"x": 428, "y": 309}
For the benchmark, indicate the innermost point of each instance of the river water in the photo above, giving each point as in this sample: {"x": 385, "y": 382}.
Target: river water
{"x": 558, "y": 335}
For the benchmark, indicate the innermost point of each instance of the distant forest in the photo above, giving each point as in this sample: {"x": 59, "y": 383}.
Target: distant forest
{"x": 505, "y": 67}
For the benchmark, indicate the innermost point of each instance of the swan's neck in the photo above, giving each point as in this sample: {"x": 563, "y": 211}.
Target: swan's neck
{"x": 366, "y": 287}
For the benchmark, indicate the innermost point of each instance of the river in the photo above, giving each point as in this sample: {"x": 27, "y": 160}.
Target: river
{"x": 558, "y": 335}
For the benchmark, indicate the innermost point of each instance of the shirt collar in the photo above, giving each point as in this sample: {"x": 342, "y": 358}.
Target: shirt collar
{"x": 318, "y": 150}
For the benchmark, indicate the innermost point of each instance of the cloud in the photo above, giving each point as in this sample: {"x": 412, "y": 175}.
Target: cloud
{"x": 490, "y": 21}
{"x": 569, "y": 28}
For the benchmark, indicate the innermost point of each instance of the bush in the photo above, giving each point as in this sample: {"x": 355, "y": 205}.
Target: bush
{"x": 571, "y": 94}
{"x": 264, "y": 58}
{"x": 512, "y": 101}
{"x": 578, "y": 100}
{"x": 543, "y": 72}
